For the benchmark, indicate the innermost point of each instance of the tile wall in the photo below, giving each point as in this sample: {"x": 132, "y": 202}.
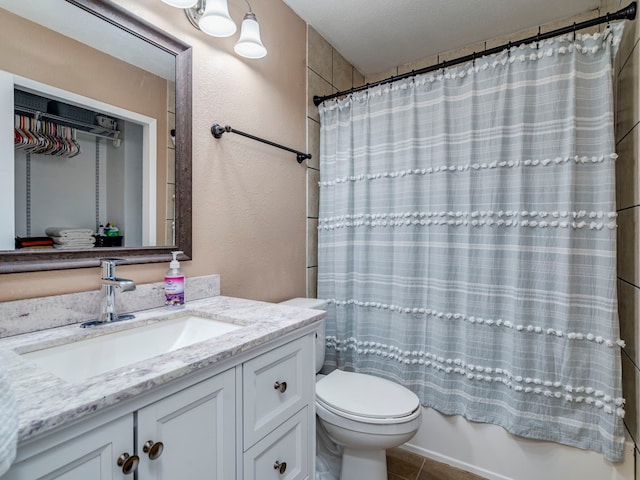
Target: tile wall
{"x": 628, "y": 207}
{"x": 327, "y": 72}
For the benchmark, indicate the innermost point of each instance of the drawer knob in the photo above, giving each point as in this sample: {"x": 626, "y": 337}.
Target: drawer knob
{"x": 281, "y": 386}
{"x": 154, "y": 450}
{"x": 129, "y": 463}
{"x": 281, "y": 467}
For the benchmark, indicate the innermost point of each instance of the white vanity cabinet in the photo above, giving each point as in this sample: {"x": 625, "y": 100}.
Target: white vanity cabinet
{"x": 253, "y": 420}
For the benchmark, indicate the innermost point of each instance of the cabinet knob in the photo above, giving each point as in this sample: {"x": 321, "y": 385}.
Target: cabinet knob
{"x": 153, "y": 449}
{"x": 281, "y": 467}
{"x": 129, "y": 463}
{"x": 281, "y": 386}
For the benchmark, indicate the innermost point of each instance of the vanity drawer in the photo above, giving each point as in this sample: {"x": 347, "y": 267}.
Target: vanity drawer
{"x": 281, "y": 455}
{"x": 275, "y": 385}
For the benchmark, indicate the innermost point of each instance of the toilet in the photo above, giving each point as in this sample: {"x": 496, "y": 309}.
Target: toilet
{"x": 363, "y": 414}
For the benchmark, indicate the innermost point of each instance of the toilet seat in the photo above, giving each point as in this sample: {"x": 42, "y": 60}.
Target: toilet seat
{"x": 366, "y": 398}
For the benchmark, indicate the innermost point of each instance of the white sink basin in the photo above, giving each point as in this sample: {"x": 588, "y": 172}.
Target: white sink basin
{"x": 80, "y": 360}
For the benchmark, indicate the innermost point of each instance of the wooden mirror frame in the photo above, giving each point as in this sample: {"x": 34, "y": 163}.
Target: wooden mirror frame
{"x": 14, "y": 261}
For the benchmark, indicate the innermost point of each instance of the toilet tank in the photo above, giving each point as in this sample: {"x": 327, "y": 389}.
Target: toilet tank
{"x": 314, "y": 304}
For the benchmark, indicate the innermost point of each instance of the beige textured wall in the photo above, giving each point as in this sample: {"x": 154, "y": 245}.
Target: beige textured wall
{"x": 248, "y": 198}
{"x": 327, "y": 72}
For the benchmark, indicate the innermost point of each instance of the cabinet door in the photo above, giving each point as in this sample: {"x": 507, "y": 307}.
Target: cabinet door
{"x": 276, "y": 384}
{"x": 92, "y": 455}
{"x": 196, "y": 427}
{"x": 281, "y": 455}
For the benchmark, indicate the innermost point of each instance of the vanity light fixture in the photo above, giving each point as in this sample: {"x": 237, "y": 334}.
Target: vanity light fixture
{"x": 212, "y": 17}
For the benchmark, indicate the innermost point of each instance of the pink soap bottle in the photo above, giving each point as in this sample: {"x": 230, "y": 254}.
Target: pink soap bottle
{"x": 174, "y": 284}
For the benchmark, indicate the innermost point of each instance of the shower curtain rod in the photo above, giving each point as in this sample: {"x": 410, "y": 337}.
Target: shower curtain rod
{"x": 217, "y": 131}
{"x": 627, "y": 13}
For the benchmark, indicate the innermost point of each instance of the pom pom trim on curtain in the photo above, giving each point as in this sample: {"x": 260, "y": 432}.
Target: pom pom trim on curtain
{"x": 474, "y": 219}
{"x": 467, "y": 239}
{"x": 474, "y": 166}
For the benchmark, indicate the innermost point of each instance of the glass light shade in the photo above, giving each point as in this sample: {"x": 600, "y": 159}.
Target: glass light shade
{"x": 216, "y": 20}
{"x": 181, "y": 3}
{"x": 249, "y": 44}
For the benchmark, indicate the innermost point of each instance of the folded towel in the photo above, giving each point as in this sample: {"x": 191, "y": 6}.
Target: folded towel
{"x": 22, "y": 242}
{"x": 63, "y": 238}
{"x": 66, "y": 231}
{"x": 75, "y": 240}
{"x": 8, "y": 422}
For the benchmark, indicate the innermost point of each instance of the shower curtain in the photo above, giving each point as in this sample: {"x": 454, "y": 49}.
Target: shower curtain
{"x": 467, "y": 239}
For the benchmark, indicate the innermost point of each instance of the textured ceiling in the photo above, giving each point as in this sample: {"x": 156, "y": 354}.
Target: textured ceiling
{"x": 375, "y": 35}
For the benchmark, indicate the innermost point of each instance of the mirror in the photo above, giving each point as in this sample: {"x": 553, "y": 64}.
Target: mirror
{"x": 115, "y": 28}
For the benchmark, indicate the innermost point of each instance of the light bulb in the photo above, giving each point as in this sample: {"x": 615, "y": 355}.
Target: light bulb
{"x": 249, "y": 44}
{"x": 216, "y": 20}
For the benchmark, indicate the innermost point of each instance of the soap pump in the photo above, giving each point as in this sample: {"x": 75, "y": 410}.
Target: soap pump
{"x": 174, "y": 284}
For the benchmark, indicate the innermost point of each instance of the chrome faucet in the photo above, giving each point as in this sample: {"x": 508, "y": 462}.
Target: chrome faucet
{"x": 109, "y": 283}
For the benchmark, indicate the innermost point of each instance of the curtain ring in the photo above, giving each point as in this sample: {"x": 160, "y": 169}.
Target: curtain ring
{"x": 538, "y": 39}
{"x": 574, "y": 31}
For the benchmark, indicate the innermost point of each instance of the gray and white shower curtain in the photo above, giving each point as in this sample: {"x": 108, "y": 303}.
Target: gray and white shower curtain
{"x": 467, "y": 239}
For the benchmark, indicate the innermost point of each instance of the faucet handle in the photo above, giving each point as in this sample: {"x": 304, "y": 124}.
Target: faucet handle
{"x": 109, "y": 266}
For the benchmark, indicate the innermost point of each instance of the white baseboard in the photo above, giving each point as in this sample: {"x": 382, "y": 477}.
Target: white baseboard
{"x": 454, "y": 462}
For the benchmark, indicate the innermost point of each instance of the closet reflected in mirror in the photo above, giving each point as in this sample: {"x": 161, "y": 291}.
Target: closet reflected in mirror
{"x": 83, "y": 170}
{"x": 91, "y": 95}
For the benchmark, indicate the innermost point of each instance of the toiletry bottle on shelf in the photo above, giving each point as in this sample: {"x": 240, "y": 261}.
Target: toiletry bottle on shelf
{"x": 174, "y": 284}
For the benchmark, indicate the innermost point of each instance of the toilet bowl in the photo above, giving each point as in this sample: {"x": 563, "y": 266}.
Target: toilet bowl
{"x": 366, "y": 415}
{"x": 363, "y": 414}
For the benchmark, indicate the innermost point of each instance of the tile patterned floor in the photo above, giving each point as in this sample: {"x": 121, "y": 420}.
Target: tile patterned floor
{"x": 403, "y": 465}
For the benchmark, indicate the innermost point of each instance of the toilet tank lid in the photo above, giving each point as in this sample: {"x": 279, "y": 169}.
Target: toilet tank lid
{"x": 313, "y": 303}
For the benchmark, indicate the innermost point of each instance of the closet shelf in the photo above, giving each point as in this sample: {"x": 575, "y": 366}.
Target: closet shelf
{"x": 91, "y": 129}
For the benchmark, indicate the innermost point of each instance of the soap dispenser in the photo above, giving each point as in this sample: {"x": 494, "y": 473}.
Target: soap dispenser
{"x": 174, "y": 284}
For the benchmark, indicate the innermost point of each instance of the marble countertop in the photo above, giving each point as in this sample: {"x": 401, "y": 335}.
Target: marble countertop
{"x": 46, "y": 402}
